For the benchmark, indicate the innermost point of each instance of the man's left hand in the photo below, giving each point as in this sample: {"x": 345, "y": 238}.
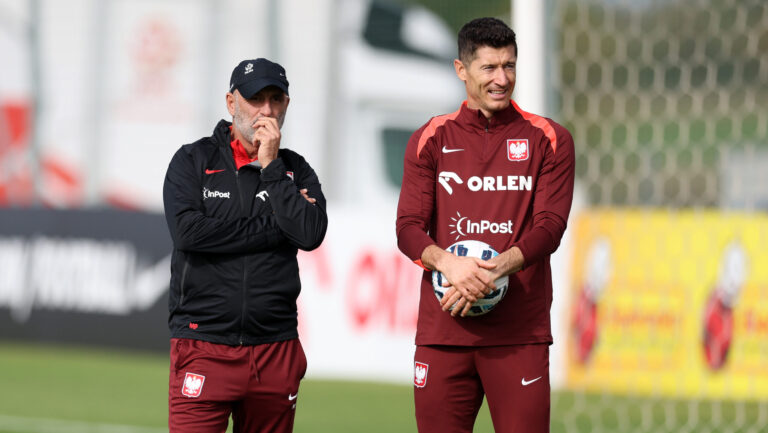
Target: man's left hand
{"x": 462, "y": 303}
{"x": 510, "y": 260}
{"x": 306, "y": 196}
{"x": 461, "y": 306}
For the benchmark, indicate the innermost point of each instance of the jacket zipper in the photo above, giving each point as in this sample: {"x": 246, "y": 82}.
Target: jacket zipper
{"x": 245, "y": 262}
{"x": 183, "y": 280}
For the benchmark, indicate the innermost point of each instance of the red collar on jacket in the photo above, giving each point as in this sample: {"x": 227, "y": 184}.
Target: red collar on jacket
{"x": 238, "y": 151}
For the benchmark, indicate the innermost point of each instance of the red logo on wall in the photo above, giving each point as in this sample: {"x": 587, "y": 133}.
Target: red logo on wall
{"x": 193, "y": 385}
{"x": 420, "y": 374}
{"x": 156, "y": 48}
{"x": 718, "y": 324}
{"x": 517, "y": 149}
{"x": 597, "y": 272}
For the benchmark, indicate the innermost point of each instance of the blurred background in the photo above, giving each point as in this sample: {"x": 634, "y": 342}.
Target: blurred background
{"x": 660, "y": 315}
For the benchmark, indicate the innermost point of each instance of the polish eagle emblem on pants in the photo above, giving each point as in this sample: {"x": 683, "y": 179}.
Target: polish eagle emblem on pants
{"x": 193, "y": 385}
{"x": 420, "y": 374}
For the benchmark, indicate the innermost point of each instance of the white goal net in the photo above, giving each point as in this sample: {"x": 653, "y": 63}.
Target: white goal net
{"x": 668, "y": 318}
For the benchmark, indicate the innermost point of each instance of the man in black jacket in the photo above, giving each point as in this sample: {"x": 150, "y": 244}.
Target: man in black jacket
{"x": 238, "y": 208}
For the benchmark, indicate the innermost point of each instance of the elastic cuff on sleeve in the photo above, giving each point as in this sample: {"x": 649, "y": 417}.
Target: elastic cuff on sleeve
{"x": 274, "y": 171}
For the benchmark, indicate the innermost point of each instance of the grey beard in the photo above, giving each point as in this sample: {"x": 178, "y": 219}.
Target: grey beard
{"x": 247, "y": 132}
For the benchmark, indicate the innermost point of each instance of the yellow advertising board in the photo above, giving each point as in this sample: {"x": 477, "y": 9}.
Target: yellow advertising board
{"x": 670, "y": 303}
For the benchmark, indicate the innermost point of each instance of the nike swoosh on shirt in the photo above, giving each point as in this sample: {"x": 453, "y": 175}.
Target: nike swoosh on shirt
{"x": 209, "y": 171}
{"x": 446, "y": 150}
{"x": 528, "y": 382}
{"x": 292, "y": 397}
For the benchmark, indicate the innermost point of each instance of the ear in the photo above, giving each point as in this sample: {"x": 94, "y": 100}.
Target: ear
{"x": 461, "y": 71}
{"x": 231, "y": 103}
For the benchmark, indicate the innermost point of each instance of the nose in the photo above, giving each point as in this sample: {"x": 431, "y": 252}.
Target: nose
{"x": 266, "y": 109}
{"x": 500, "y": 77}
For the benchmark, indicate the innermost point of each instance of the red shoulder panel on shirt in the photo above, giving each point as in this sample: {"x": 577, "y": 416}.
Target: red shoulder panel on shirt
{"x": 431, "y": 128}
{"x": 540, "y": 123}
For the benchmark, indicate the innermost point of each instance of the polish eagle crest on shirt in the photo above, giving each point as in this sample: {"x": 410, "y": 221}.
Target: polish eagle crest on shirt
{"x": 517, "y": 149}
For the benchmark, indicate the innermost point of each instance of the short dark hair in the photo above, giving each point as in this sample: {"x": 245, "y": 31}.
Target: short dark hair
{"x": 481, "y": 32}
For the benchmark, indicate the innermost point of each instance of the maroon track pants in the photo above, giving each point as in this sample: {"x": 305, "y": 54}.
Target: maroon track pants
{"x": 257, "y": 385}
{"x": 450, "y": 381}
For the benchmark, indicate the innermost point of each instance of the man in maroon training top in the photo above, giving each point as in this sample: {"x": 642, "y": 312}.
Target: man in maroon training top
{"x": 487, "y": 162}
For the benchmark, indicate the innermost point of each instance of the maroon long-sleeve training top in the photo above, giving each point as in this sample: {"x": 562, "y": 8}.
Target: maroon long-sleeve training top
{"x": 507, "y": 181}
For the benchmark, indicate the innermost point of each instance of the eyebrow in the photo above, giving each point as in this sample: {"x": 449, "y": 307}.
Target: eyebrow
{"x": 511, "y": 62}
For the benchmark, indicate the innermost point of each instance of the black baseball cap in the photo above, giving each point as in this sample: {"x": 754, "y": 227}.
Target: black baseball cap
{"x": 250, "y": 76}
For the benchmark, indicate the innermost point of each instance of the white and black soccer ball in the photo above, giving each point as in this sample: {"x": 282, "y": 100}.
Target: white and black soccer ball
{"x": 481, "y": 250}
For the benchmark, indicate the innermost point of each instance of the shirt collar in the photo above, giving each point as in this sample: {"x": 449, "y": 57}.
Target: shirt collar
{"x": 238, "y": 151}
{"x": 476, "y": 117}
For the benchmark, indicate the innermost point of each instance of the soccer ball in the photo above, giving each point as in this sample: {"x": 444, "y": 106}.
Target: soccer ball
{"x": 481, "y": 250}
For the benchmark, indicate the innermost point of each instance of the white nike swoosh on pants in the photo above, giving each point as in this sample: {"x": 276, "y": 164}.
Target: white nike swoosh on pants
{"x": 528, "y": 382}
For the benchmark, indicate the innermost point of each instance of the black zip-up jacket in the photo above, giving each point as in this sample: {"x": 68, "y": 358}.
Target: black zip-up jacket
{"x": 234, "y": 274}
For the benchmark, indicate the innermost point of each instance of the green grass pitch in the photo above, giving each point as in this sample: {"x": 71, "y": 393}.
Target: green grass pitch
{"x": 63, "y": 389}
{"x": 41, "y": 386}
